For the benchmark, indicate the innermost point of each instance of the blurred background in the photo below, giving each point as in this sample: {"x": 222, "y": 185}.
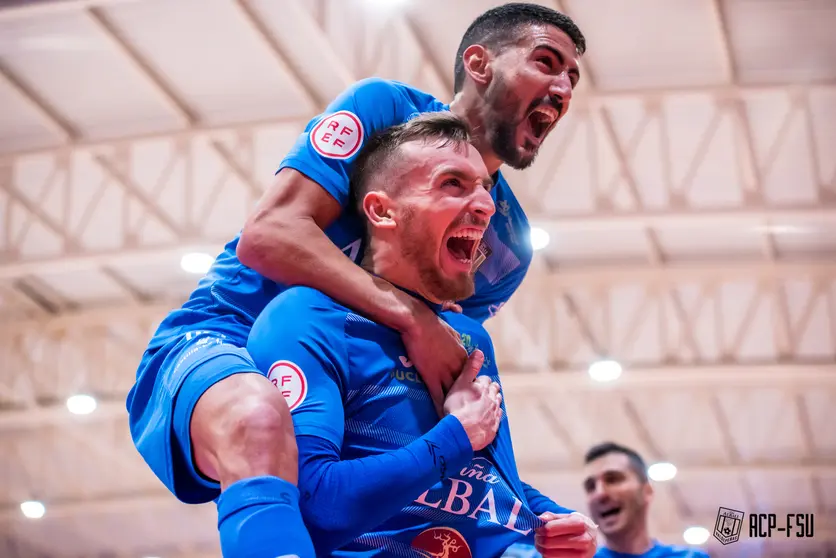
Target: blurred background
{"x": 682, "y": 299}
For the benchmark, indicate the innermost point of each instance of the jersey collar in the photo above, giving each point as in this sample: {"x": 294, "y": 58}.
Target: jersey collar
{"x": 435, "y": 307}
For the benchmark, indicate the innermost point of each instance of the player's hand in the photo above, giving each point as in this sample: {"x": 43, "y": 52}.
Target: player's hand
{"x": 566, "y": 536}
{"x": 450, "y": 306}
{"x": 436, "y": 351}
{"x": 475, "y": 402}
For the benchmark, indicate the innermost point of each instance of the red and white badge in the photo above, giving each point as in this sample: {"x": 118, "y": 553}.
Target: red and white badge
{"x": 338, "y": 136}
{"x": 290, "y": 380}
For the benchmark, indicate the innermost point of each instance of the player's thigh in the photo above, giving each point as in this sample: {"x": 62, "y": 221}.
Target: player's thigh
{"x": 170, "y": 380}
{"x": 203, "y": 359}
{"x": 240, "y": 427}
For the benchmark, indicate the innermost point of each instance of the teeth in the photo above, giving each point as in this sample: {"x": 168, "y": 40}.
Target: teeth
{"x": 469, "y": 234}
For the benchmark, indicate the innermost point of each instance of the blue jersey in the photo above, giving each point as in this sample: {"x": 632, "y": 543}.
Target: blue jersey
{"x": 231, "y": 296}
{"x": 658, "y": 551}
{"x": 350, "y": 386}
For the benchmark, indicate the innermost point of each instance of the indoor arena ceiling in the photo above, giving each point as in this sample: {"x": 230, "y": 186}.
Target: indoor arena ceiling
{"x": 689, "y": 199}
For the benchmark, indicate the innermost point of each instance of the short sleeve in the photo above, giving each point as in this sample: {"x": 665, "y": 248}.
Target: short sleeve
{"x": 326, "y": 150}
{"x": 298, "y": 342}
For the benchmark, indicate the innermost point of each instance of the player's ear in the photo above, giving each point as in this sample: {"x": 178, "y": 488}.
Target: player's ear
{"x": 476, "y": 60}
{"x": 378, "y": 209}
{"x": 647, "y": 492}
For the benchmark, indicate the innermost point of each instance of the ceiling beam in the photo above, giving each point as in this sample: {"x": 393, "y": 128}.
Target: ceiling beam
{"x": 595, "y": 100}
{"x": 48, "y": 115}
{"x": 536, "y": 383}
{"x": 744, "y": 219}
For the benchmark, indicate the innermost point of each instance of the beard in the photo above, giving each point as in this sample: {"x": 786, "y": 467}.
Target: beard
{"x": 503, "y": 124}
{"x": 422, "y": 254}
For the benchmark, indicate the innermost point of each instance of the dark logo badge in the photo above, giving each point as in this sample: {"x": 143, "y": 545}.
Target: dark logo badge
{"x": 483, "y": 252}
{"x": 727, "y": 527}
{"x": 441, "y": 542}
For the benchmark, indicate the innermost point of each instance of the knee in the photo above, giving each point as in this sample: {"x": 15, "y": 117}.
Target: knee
{"x": 257, "y": 421}
{"x": 245, "y": 426}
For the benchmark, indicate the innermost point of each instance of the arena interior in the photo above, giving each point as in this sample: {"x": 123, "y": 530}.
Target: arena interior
{"x": 686, "y": 225}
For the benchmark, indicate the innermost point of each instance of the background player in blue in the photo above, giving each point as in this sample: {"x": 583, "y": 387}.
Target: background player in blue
{"x": 380, "y": 474}
{"x": 619, "y": 496}
{"x": 205, "y": 421}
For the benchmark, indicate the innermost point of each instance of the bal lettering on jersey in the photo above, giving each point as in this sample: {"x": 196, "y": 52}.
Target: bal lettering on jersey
{"x": 475, "y": 500}
{"x": 338, "y": 136}
{"x": 290, "y": 381}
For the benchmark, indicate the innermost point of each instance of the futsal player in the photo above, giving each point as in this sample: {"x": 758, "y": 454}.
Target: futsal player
{"x": 207, "y": 423}
{"x": 380, "y": 474}
{"x": 619, "y": 496}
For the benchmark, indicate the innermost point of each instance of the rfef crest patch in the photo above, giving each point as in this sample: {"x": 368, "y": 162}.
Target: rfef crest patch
{"x": 290, "y": 380}
{"x": 338, "y": 136}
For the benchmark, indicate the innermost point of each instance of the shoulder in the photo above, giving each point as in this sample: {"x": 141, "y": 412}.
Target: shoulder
{"x": 473, "y": 334}
{"x": 375, "y": 90}
{"x": 507, "y": 204}
{"x": 677, "y": 551}
{"x": 305, "y": 311}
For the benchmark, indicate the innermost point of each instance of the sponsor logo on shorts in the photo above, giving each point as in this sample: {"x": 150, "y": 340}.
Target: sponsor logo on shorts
{"x": 338, "y": 136}
{"x": 441, "y": 542}
{"x": 290, "y": 380}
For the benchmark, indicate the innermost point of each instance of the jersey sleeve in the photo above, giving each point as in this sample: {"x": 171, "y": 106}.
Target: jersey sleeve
{"x": 489, "y": 300}
{"x": 326, "y": 150}
{"x": 298, "y": 342}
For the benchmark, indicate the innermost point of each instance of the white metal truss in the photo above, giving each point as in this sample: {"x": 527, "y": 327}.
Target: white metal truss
{"x": 233, "y": 152}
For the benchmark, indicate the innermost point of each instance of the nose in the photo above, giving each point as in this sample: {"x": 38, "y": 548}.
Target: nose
{"x": 561, "y": 88}
{"x": 482, "y": 204}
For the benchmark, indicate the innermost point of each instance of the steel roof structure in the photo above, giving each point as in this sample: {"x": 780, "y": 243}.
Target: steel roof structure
{"x": 689, "y": 197}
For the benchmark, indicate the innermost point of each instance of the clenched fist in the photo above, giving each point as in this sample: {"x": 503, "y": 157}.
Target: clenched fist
{"x": 566, "y": 536}
{"x": 475, "y": 402}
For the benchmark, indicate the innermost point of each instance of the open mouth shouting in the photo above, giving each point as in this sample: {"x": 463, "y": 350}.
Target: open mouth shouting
{"x": 541, "y": 119}
{"x": 461, "y": 246}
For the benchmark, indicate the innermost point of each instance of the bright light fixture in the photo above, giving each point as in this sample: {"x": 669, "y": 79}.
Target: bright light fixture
{"x": 695, "y": 535}
{"x": 661, "y": 472}
{"x": 604, "y": 370}
{"x": 196, "y": 262}
{"x": 539, "y": 238}
{"x": 33, "y": 509}
{"x": 81, "y": 404}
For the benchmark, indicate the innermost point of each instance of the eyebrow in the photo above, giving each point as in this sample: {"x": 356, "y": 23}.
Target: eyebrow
{"x": 486, "y": 181}
{"x": 559, "y": 56}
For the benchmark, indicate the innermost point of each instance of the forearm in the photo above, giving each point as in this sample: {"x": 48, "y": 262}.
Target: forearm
{"x": 540, "y": 503}
{"x": 297, "y": 252}
{"x": 379, "y": 485}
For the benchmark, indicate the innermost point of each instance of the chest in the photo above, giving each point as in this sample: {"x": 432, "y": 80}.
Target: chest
{"x": 386, "y": 403}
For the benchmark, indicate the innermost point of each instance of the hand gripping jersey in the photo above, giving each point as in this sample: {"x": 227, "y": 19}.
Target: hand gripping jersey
{"x": 379, "y": 474}
{"x": 231, "y": 296}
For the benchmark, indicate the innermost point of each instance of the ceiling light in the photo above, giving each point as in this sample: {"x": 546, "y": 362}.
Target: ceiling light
{"x": 695, "y": 535}
{"x": 661, "y": 472}
{"x": 539, "y": 238}
{"x": 196, "y": 262}
{"x": 81, "y": 404}
{"x": 604, "y": 370}
{"x": 33, "y": 509}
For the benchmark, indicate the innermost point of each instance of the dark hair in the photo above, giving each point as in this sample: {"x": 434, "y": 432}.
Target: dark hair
{"x": 636, "y": 461}
{"x": 444, "y": 128}
{"x": 499, "y": 27}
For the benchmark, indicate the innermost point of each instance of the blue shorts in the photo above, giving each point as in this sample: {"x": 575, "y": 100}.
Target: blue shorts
{"x": 170, "y": 380}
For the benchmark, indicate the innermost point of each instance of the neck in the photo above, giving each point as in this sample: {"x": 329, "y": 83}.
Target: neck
{"x": 471, "y": 107}
{"x": 387, "y": 264}
{"x": 631, "y": 541}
